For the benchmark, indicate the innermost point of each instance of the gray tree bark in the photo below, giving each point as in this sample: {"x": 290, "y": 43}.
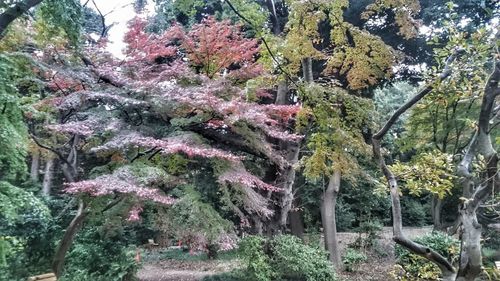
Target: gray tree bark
{"x": 292, "y": 150}
{"x": 476, "y": 191}
{"x": 436, "y": 207}
{"x": 328, "y": 204}
{"x": 47, "y": 177}
{"x": 67, "y": 240}
{"x": 70, "y": 171}
{"x": 12, "y": 13}
{"x": 35, "y": 166}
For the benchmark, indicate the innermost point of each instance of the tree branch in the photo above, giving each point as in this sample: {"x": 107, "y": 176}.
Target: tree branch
{"x": 422, "y": 93}
{"x": 12, "y": 13}
{"x": 446, "y": 267}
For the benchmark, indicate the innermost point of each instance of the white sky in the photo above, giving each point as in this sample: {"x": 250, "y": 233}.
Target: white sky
{"x": 118, "y": 12}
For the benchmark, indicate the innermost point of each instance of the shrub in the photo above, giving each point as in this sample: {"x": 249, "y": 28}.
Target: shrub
{"x": 26, "y": 231}
{"x": 235, "y": 275}
{"x": 369, "y": 232}
{"x": 258, "y": 264}
{"x": 284, "y": 257}
{"x": 99, "y": 258}
{"x": 352, "y": 258}
{"x": 414, "y": 267}
{"x": 414, "y": 213}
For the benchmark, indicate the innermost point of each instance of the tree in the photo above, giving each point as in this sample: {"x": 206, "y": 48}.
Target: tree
{"x": 201, "y": 118}
{"x": 469, "y": 267}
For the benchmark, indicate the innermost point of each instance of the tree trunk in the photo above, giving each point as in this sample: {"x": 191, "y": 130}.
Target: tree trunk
{"x": 470, "y": 254}
{"x": 447, "y": 269}
{"x": 436, "y": 207}
{"x": 288, "y": 179}
{"x": 274, "y": 16}
{"x": 35, "y": 166}
{"x": 47, "y": 177}
{"x": 12, "y": 13}
{"x": 296, "y": 223}
{"x": 292, "y": 150}
{"x": 282, "y": 95}
{"x": 328, "y": 202}
{"x": 307, "y": 70}
{"x": 67, "y": 240}
{"x": 70, "y": 172}
{"x": 258, "y": 225}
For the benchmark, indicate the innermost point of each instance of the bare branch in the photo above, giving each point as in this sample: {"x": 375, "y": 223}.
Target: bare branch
{"x": 421, "y": 94}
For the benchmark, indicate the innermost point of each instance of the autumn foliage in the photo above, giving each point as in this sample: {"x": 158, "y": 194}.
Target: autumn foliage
{"x": 175, "y": 93}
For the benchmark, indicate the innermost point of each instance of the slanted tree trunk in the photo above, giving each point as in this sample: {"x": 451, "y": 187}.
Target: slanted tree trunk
{"x": 12, "y": 13}
{"x": 47, "y": 176}
{"x": 328, "y": 204}
{"x": 70, "y": 172}
{"x": 68, "y": 237}
{"x": 35, "y": 166}
{"x": 447, "y": 269}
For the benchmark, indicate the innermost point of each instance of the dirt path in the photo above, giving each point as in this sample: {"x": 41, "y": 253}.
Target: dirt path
{"x": 173, "y": 270}
{"x": 375, "y": 269}
{"x": 152, "y": 272}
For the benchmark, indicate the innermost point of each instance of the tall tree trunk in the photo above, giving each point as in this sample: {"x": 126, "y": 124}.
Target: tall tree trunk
{"x": 35, "y": 166}
{"x": 68, "y": 237}
{"x": 307, "y": 70}
{"x": 70, "y": 172}
{"x": 288, "y": 179}
{"x": 258, "y": 225}
{"x": 296, "y": 221}
{"x": 12, "y": 13}
{"x": 292, "y": 150}
{"x": 328, "y": 204}
{"x": 47, "y": 176}
{"x": 271, "y": 5}
{"x": 476, "y": 191}
{"x": 436, "y": 207}
{"x": 282, "y": 94}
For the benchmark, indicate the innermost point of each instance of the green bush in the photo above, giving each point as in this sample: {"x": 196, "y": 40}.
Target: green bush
{"x": 26, "y": 234}
{"x": 352, "y": 258}
{"x": 414, "y": 213}
{"x": 235, "y": 275}
{"x": 414, "y": 267}
{"x": 99, "y": 258}
{"x": 369, "y": 232}
{"x": 258, "y": 263}
{"x": 284, "y": 257}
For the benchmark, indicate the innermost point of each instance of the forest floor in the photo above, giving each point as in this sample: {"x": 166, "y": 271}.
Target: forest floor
{"x": 159, "y": 266}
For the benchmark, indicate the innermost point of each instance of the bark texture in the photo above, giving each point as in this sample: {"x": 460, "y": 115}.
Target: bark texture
{"x": 329, "y": 202}
{"x": 35, "y": 166}
{"x": 436, "y": 207}
{"x": 47, "y": 177}
{"x": 12, "y": 13}
{"x": 292, "y": 150}
{"x": 67, "y": 240}
{"x": 476, "y": 191}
